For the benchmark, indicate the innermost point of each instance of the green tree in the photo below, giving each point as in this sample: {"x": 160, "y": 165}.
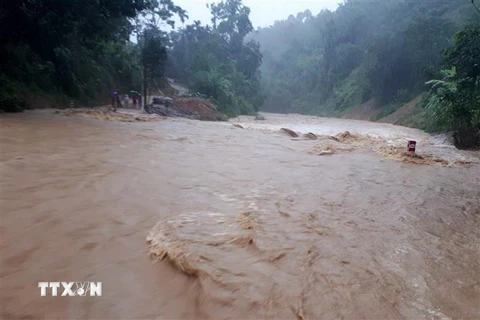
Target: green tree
{"x": 77, "y": 48}
{"x": 334, "y": 61}
{"x": 218, "y": 62}
{"x": 154, "y": 57}
{"x": 231, "y": 20}
{"x": 455, "y": 100}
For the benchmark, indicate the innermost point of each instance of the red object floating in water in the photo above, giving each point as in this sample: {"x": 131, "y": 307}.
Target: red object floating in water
{"x": 411, "y": 146}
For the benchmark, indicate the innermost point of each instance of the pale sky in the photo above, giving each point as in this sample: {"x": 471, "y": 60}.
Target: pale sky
{"x": 263, "y": 12}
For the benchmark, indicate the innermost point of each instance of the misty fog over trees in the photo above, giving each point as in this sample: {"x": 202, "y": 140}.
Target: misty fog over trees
{"x": 385, "y": 50}
{"x": 382, "y": 52}
{"x": 217, "y": 62}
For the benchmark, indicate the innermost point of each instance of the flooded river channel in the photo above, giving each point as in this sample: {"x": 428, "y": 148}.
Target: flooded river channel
{"x": 210, "y": 220}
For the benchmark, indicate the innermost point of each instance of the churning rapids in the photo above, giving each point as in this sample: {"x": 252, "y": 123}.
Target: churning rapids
{"x": 185, "y": 219}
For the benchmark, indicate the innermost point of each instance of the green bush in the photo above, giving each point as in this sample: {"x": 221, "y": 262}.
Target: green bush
{"x": 454, "y": 101}
{"x": 10, "y": 98}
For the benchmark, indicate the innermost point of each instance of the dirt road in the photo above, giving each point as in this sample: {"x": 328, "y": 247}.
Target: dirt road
{"x": 250, "y": 222}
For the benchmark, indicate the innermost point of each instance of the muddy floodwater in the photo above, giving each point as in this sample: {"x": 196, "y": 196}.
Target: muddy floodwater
{"x": 185, "y": 219}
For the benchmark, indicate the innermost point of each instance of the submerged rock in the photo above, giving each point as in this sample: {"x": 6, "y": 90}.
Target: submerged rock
{"x": 310, "y": 136}
{"x": 290, "y": 132}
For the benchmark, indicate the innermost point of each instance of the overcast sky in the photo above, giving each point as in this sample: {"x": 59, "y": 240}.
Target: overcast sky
{"x": 263, "y": 12}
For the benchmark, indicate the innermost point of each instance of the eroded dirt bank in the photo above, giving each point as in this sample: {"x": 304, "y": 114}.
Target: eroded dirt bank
{"x": 254, "y": 222}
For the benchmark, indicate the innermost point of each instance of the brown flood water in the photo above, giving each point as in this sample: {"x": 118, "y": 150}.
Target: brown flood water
{"x": 261, "y": 227}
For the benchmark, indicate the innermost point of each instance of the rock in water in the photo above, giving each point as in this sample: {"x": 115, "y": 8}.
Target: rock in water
{"x": 310, "y": 136}
{"x": 291, "y": 133}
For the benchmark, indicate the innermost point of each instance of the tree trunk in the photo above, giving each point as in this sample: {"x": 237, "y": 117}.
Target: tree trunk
{"x": 145, "y": 78}
{"x": 145, "y": 85}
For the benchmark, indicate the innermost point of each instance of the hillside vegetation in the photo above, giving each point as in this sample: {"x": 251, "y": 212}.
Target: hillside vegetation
{"x": 71, "y": 49}
{"x": 382, "y": 50}
{"x": 61, "y": 50}
{"x": 385, "y": 50}
{"x": 217, "y": 62}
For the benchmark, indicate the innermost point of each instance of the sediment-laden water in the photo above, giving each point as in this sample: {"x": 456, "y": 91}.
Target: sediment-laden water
{"x": 243, "y": 221}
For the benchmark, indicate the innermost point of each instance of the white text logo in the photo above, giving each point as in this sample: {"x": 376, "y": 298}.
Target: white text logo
{"x": 70, "y": 289}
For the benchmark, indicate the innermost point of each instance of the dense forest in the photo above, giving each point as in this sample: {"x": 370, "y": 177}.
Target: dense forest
{"x": 382, "y": 52}
{"x": 80, "y": 50}
{"x": 217, "y": 62}
{"x": 385, "y": 50}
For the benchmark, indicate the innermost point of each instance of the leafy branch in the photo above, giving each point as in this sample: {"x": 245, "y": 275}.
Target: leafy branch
{"x": 475, "y": 5}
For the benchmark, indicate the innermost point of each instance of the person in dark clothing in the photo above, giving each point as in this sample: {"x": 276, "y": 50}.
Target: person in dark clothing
{"x": 115, "y": 100}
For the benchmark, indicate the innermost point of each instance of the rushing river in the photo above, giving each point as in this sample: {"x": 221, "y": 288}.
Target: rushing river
{"x": 251, "y": 223}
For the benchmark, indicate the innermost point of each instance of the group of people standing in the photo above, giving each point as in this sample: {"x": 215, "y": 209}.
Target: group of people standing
{"x": 116, "y": 98}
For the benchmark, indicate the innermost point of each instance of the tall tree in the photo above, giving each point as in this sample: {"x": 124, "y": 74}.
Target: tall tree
{"x": 455, "y": 99}
{"x": 217, "y": 61}
{"x": 231, "y": 20}
{"x": 154, "y": 57}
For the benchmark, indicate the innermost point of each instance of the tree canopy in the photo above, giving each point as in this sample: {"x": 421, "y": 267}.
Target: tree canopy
{"x": 455, "y": 99}
{"x": 77, "y": 48}
{"x": 386, "y": 50}
{"x": 217, "y": 62}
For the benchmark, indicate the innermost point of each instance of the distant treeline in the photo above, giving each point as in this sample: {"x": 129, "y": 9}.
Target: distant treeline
{"x": 386, "y": 50}
{"x": 379, "y": 49}
{"x": 216, "y": 62}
